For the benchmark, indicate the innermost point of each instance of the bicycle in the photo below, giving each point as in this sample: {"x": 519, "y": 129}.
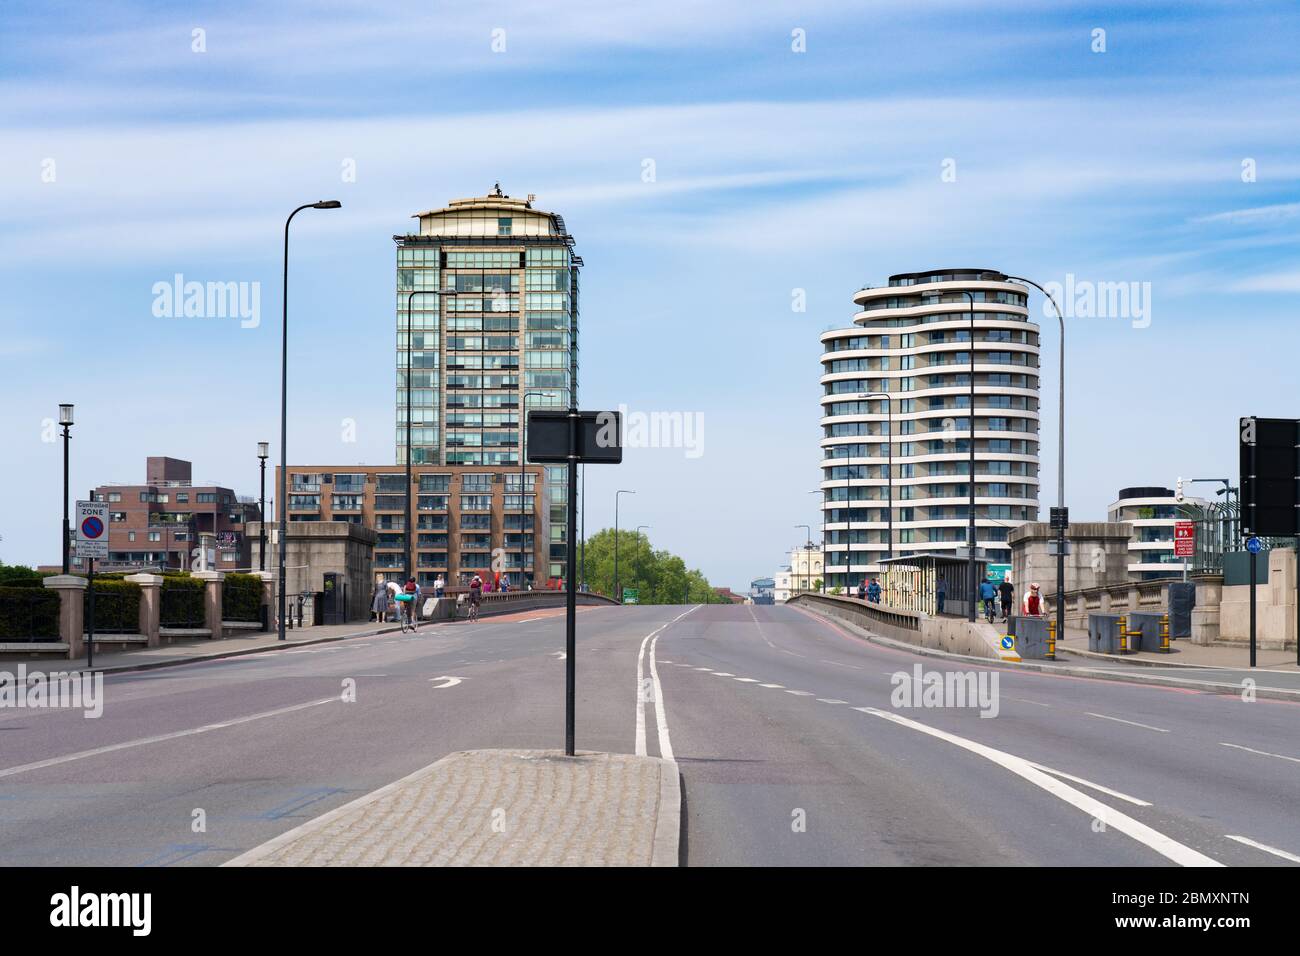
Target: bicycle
{"x": 471, "y": 613}
{"x": 989, "y": 612}
{"x": 406, "y": 614}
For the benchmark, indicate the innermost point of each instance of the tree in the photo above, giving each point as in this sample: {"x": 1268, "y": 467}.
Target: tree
{"x": 660, "y": 577}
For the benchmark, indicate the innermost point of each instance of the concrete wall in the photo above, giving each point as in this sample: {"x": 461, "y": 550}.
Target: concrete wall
{"x": 1275, "y": 605}
{"x": 1098, "y": 557}
{"x": 913, "y": 627}
{"x": 314, "y": 548}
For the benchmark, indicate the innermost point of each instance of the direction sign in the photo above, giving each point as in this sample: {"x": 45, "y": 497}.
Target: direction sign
{"x": 1184, "y": 539}
{"x": 92, "y": 530}
{"x": 631, "y": 595}
{"x": 1254, "y": 545}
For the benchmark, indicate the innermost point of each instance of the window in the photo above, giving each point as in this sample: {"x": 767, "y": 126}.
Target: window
{"x": 155, "y": 535}
{"x": 503, "y": 226}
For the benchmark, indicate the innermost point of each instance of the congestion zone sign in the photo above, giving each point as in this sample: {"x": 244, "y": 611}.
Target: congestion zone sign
{"x": 1184, "y": 539}
{"x": 92, "y": 522}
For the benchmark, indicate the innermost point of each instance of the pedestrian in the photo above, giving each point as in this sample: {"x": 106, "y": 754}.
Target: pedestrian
{"x": 873, "y": 592}
{"x": 1033, "y": 603}
{"x": 439, "y": 585}
{"x": 1006, "y": 594}
{"x": 862, "y": 590}
{"x": 379, "y": 601}
{"x": 941, "y": 592}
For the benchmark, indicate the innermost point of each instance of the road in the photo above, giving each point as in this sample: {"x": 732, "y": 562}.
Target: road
{"x": 790, "y": 749}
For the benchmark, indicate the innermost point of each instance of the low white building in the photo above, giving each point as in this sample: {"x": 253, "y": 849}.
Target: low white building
{"x": 803, "y": 573}
{"x": 1152, "y": 512}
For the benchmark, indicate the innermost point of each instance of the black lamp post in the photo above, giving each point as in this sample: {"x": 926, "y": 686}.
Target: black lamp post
{"x": 806, "y": 548}
{"x": 523, "y": 482}
{"x": 618, "y": 591}
{"x": 638, "y": 557}
{"x": 263, "y": 452}
{"x": 284, "y": 401}
{"x": 65, "y": 419}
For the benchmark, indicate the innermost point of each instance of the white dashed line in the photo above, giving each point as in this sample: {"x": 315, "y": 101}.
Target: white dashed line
{"x": 722, "y": 674}
{"x": 830, "y": 700}
{"x": 799, "y": 693}
{"x": 776, "y": 686}
{"x": 1131, "y": 723}
{"x": 746, "y": 680}
{"x": 1262, "y": 753}
{"x": 1265, "y": 847}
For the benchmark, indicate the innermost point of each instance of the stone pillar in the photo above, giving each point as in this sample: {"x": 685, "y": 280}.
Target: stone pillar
{"x": 150, "y": 605}
{"x": 212, "y": 583}
{"x": 268, "y": 599}
{"x": 1205, "y": 612}
{"x": 1279, "y": 621}
{"x": 72, "y": 614}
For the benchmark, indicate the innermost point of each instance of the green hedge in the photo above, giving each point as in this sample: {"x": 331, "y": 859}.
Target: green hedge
{"x": 19, "y": 576}
{"x": 27, "y": 614}
{"x": 241, "y": 597}
{"x": 117, "y": 606}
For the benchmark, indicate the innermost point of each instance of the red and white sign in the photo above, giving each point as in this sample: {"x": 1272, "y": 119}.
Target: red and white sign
{"x": 1184, "y": 539}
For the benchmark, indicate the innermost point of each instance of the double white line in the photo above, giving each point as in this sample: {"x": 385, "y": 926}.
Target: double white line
{"x": 661, "y": 718}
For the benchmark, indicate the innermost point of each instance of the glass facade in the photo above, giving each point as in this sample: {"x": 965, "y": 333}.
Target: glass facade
{"x": 487, "y": 328}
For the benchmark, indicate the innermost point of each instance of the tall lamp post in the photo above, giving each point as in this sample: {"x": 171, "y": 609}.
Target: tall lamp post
{"x": 822, "y": 492}
{"x": 65, "y": 419}
{"x": 807, "y": 546}
{"x": 638, "y": 557}
{"x": 263, "y": 452}
{"x": 1060, "y": 462}
{"x": 284, "y": 401}
{"x": 523, "y": 481}
{"x": 618, "y": 592}
{"x": 889, "y": 468}
{"x": 408, "y": 557}
{"x": 970, "y": 517}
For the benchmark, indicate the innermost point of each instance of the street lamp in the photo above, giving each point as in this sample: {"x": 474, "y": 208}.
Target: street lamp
{"x": 807, "y": 546}
{"x": 523, "y": 482}
{"x": 65, "y": 419}
{"x": 263, "y": 452}
{"x": 618, "y": 593}
{"x": 822, "y": 492}
{"x": 284, "y": 400}
{"x": 638, "y": 557}
{"x": 889, "y": 482}
{"x": 408, "y": 553}
{"x": 970, "y": 518}
{"x": 1060, "y": 462}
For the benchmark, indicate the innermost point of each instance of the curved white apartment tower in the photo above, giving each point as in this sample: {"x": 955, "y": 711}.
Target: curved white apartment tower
{"x": 911, "y": 341}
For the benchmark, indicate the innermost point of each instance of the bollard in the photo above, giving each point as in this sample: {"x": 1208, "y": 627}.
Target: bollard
{"x": 1051, "y": 640}
{"x": 1123, "y": 633}
{"x": 1164, "y": 634}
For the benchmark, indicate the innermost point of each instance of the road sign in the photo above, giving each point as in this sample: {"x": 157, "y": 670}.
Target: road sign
{"x": 1054, "y": 547}
{"x": 92, "y": 530}
{"x": 1059, "y": 519}
{"x": 600, "y": 437}
{"x": 1184, "y": 539}
{"x": 630, "y": 595}
{"x": 1254, "y": 545}
{"x": 1270, "y": 476}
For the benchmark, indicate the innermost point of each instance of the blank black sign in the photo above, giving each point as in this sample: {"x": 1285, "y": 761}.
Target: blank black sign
{"x": 1270, "y": 477}
{"x": 600, "y": 437}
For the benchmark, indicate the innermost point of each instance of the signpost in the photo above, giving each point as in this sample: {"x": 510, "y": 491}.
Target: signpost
{"x": 1184, "y": 539}
{"x": 1269, "y": 455}
{"x": 91, "y": 542}
{"x": 630, "y": 595}
{"x": 570, "y": 437}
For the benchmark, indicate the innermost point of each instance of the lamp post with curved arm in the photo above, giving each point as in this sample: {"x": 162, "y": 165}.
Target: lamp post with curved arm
{"x": 889, "y": 484}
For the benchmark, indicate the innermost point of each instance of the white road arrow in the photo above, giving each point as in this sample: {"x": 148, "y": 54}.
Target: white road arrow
{"x": 559, "y": 655}
{"x": 451, "y": 682}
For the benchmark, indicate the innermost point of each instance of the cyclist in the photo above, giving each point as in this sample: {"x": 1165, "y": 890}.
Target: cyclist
{"x": 475, "y": 597}
{"x": 987, "y": 594}
{"x": 410, "y": 597}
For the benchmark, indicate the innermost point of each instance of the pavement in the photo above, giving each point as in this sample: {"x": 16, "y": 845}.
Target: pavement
{"x": 499, "y": 808}
{"x": 795, "y": 739}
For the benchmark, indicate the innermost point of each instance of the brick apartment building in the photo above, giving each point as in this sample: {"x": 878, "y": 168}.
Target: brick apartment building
{"x": 158, "y": 523}
{"x": 464, "y": 516}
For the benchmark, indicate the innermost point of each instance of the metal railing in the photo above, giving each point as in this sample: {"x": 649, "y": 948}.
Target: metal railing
{"x": 29, "y": 614}
{"x": 181, "y": 607}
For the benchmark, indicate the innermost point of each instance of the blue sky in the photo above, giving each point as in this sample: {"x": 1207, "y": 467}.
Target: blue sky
{"x": 775, "y": 170}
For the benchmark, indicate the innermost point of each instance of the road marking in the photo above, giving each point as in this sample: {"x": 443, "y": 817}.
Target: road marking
{"x": 451, "y": 682}
{"x": 560, "y": 655}
{"x": 1265, "y": 847}
{"x": 1262, "y": 753}
{"x": 830, "y": 700}
{"x": 705, "y": 669}
{"x": 1036, "y": 703}
{"x": 722, "y": 674}
{"x": 840, "y": 664}
{"x": 799, "y": 693}
{"x": 776, "y": 686}
{"x": 143, "y": 741}
{"x": 1131, "y": 723}
{"x": 661, "y": 719}
{"x": 1088, "y": 783}
{"x": 1165, "y": 846}
{"x": 746, "y": 680}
